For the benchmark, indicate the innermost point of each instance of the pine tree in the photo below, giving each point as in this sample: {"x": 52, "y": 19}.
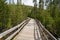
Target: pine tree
{"x": 3, "y": 14}
{"x": 41, "y": 4}
{"x": 35, "y": 8}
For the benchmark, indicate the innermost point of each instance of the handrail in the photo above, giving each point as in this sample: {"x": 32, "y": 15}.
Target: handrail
{"x": 12, "y": 29}
{"x": 11, "y": 36}
{"x": 58, "y": 38}
{"x": 43, "y": 36}
{"x": 45, "y": 31}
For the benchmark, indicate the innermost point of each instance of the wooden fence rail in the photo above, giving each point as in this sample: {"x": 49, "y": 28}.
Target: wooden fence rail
{"x": 17, "y": 28}
{"x": 45, "y": 34}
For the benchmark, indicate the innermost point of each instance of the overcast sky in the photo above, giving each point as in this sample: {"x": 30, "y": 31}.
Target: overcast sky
{"x": 27, "y": 2}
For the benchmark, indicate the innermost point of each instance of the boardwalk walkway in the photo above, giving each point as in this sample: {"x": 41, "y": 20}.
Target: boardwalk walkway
{"x": 29, "y": 32}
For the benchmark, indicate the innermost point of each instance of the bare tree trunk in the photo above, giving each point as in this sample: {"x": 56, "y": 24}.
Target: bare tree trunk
{"x": 13, "y": 1}
{"x": 9, "y": 1}
{"x": 18, "y": 2}
{"x": 41, "y": 4}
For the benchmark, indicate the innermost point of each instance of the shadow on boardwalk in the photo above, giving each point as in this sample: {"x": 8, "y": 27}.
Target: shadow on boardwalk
{"x": 36, "y": 34}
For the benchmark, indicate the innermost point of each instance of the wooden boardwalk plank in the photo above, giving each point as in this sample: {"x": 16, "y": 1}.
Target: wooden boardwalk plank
{"x": 29, "y": 32}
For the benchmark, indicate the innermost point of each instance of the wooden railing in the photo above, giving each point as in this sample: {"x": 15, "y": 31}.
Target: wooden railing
{"x": 9, "y": 34}
{"x": 45, "y": 34}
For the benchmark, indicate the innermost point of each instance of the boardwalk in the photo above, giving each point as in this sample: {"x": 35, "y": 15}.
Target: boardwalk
{"x": 29, "y": 32}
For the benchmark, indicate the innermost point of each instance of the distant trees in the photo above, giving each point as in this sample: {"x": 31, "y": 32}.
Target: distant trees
{"x": 50, "y": 17}
{"x": 9, "y": 1}
{"x": 19, "y": 2}
{"x": 11, "y": 14}
{"x": 13, "y": 1}
{"x": 4, "y": 15}
{"x": 34, "y": 9}
{"x": 53, "y": 9}
{"x": 41, "y": 4}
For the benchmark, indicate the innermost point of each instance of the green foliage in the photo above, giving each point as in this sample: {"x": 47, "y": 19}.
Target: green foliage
{"x": 50, "y": 17}
{"x": 11, "y": 15}
{"x": 3, "y": 14}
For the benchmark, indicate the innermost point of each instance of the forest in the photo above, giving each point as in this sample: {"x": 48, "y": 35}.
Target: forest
{"x": 12, "y": 14}
{"x": 49, "y": 17}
